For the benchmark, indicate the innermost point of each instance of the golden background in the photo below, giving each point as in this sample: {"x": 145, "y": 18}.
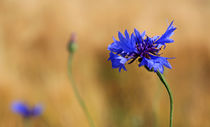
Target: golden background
{"x": 33, "y": 62}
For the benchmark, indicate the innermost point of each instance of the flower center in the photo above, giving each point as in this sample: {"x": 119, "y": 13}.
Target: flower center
{"x": 144, "y": 50}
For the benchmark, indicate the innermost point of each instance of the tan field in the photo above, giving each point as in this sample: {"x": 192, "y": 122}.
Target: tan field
{"x": 33, "y": 62}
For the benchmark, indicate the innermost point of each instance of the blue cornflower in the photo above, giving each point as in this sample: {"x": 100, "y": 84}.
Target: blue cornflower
{"x": 139, "y": 46}
{"x": 26, "y": 111}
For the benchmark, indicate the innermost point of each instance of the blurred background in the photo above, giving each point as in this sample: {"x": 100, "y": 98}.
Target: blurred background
{"x": 33, "y": 62}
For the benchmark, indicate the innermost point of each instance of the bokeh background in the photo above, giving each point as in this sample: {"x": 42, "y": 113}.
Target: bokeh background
{"x": 33, "y": 62}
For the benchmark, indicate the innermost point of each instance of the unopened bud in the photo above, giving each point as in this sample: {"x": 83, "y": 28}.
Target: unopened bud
{"x": 72, "y": 45}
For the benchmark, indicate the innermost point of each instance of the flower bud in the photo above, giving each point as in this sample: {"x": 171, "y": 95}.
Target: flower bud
{"x": 72, "y": 45}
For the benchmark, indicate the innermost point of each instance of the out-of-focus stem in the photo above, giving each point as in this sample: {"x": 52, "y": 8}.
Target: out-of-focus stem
{"x": 76, "y": 92}
{"x": 26, "y": 122}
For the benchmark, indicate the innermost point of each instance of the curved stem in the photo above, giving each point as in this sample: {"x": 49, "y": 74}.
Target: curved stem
{"x": 76, "y": 92}
{"x": 161, "y": 76}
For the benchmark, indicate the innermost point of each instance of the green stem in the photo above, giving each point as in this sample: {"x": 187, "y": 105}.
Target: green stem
{"x": 76, "y": 92}
{"x": 26, "y": 122}
{"x": 161, "y": 76}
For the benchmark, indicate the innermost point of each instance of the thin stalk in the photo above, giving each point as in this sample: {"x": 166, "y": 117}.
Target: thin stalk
{"x": 76, "y": 92}
{"x": 26, "y": 122}
{"x": 161, "y": 76}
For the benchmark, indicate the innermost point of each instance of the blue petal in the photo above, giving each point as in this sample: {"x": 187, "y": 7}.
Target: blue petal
{"x": 165, "y": 38}
{"x": 137, "y": 33}
{"x": 117, "y": 61}
{"x": 139, "y": 37}
{"x": 133, "y": 43}
{"x": 162, "y": 60}
{"x": 37, "y": 110}
{"x": 143, "y": 34}
{"x": 126, "y": 34}
{"x": 114, "y": 47}
{"x": 120, "y": 36}
{"x": 146, "y": 62}
{"x": 155, "y": 38}
{"x": 21, "y": 108}
{"x": 149, "y": 41}
{"x": 156, "y": 63}
{"x": 127, "y": 44}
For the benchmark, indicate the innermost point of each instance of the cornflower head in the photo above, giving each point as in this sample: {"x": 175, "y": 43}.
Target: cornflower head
{"x": 142, "y": 48}
{"x": 25, "y": 111}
